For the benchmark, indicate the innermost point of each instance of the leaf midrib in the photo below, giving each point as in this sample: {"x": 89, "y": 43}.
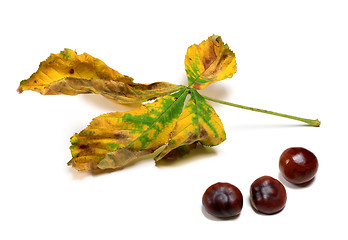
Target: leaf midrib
{"x": 162, "y": 115}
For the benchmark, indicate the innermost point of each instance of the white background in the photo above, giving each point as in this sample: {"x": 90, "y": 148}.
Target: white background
{"x": 292, "y": 57}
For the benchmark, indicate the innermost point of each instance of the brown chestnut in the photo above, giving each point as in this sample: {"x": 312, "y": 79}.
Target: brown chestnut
{"x": 223, "y": 200}
{"x": 267, "y": 195}
{"x": 298, "y": 165}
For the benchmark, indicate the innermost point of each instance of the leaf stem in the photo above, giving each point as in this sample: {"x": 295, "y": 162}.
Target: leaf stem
{"x": 311, "y": 122}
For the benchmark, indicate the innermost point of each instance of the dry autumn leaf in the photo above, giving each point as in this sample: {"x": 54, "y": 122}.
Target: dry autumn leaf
{"x": 115, "y": 140}
{"x": 209, "y": 62}
{"x": 71, "y": 74}
{"x": 124, "y": 93}
{"x": 68, "y": 64}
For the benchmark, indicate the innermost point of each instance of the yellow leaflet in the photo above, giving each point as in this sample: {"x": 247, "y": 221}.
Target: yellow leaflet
{"x": 209, "y": 62}
{"x": 71, "y": 74}
{"x": 197, "y": 123}
{"x": 115, "y": 140}
{"x": 68, "y": 64}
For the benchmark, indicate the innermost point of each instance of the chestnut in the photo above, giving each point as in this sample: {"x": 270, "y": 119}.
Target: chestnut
{"x": 223, "y": 200}
{"x": 298, "y": 165}
{"x": 267, "y": 195}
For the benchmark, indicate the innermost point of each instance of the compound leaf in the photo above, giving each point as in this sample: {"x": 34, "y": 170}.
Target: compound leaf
{"x": 115, "y": 140}
{"x": 209, "y": 62}
{"x": 197, "y": 123}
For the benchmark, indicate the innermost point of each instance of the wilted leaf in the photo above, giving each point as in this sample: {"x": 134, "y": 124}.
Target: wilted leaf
{"x": 209, "y": 62}
{"x": 198, "y": 122}
{"x": 115, "y": 140}
{"x": 178, "y": 153}
{"x": 120, "y": 92}
{"x": 68, "y": 64}
{"x": 72, "y": 74}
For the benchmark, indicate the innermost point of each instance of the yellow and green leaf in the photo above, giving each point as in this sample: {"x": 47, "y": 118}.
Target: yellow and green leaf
{"x": 209, "y": 62}
{"x": 71, "y": 74}
{"x": 197, "y": 123}
{"x": 68, "y": 64}
{"x": 114, "y": 140}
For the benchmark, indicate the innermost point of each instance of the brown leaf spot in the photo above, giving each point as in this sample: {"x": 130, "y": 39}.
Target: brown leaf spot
{"x": 121, "y": 88}
{"x": 153, "y": 86}
{"x": 19, "y": 89}
{"x": 178, "y": 153}
{"x": 175, "y": 98}
{"x": 150, "y": 99}
{"x": 71, "y": 71}
{"x": 83, "y": 146}
{"x": 191, "y": 139}
{"x": 209, "y": 57}
{"x": 202, "y": 132}
{"x": 207, "y": 62}
{"x": 194, "y": 101}
{"x": 120, "y": 136}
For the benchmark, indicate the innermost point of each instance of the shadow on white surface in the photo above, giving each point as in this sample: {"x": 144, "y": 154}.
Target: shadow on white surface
{"x": 217, "y": 90}
{"x": 103, "y": 103}
{"x": 80, "y": 175}
{"x": 77, "y": 175}
{"x": 193, "y": 155}
{"x": 295, "y": 186}
{"x": 214, "y": 90}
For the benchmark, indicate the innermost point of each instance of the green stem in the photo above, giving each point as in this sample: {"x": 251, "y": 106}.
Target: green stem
{"x": 315, "y": 123}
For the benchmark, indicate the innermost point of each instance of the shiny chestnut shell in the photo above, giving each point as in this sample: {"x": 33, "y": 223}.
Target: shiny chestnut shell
{"x": 298, "y": 165}
{"x": 267, "y": 195}
{"x": 223, "y": 200}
